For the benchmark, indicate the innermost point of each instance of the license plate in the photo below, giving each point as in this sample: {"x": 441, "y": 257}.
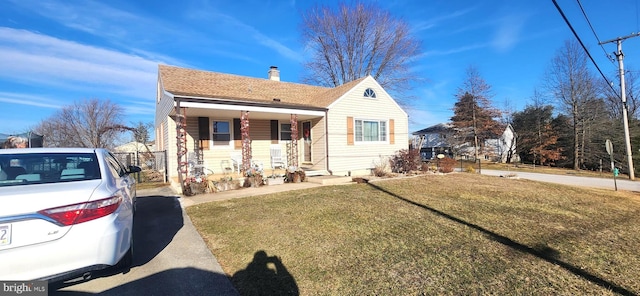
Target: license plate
{"x": 5, "y": 234}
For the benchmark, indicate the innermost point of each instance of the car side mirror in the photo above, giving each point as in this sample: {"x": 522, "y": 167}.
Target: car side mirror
{"x": 134, "y": 169}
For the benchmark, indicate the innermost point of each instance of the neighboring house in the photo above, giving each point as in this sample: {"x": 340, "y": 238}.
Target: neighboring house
{"x": 136, "y": 153}
{"x": 504, "y": 148}
{"x": 437, "y": 139}
{"x": 134, "y": 147}
{"x": 342, "y": 130}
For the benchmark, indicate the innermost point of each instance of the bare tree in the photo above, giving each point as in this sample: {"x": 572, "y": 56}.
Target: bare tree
{"x": 141, "y": 134}
{"x": 88, "y": 123}
{"x": 141, "y": 131}
{"x": 613, "y": 107}
{"x": 507, "y": 112}
{"x": 596, "y": 125}
{"x": 351, "y": 42}
{"x": 613, "y": 101}
{"x": 571, "y": 83}
{"x": 473, "y": 112}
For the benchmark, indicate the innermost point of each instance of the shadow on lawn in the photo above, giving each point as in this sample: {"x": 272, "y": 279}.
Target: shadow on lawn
{"x": 265, "y": 275}
{"x": 542, "y": 252}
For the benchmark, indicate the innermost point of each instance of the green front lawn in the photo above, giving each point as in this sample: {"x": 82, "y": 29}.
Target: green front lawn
{"x": 453, "y": 234}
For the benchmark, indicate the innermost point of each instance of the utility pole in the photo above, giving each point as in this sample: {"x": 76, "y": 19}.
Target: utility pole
{"x": 625, "y": 120}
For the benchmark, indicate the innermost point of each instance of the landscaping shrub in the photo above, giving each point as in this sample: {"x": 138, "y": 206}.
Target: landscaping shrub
{"x": 295, "y": 176}
{"x": 405, "y": 161}
{"x": 447, "y": 165}
{"x": 381, "y": 169}
{"x": 151, "y": 176}
{"x": 470, "y": 169}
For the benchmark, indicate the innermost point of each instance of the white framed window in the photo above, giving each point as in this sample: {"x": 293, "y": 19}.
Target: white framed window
{"x": 285, "y": 132}
{"x": 370, "y": 93}
{"x": 221, "y": 132}
{"x": 370, "y": 130}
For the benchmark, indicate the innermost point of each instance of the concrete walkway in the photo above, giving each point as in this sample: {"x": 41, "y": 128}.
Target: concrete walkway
{"x": 187, "y": 201}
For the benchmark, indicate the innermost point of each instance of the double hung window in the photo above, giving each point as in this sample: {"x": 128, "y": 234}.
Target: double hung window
{"x": 370, "y": 131}
{"x": 285, "y": 131}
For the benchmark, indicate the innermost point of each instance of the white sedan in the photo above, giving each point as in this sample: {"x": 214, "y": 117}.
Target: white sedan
{"x": 64, "y": 213}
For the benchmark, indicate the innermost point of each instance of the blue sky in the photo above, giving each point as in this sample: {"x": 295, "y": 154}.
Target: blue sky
{"x": 53, "y": 53}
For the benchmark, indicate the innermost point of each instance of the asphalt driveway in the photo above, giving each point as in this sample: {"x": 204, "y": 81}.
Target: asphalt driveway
{"x": 170, "y": 257}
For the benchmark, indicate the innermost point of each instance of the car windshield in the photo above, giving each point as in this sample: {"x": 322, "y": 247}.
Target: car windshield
{"x": 39, "y": 168}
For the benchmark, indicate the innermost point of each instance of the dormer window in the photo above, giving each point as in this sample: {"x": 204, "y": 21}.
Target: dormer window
{"x": 369, "y": 93}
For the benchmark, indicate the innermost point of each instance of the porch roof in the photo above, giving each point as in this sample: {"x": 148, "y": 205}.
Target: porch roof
{"x": 220, "y": 86}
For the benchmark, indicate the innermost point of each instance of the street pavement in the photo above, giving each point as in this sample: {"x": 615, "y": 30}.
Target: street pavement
{"x": 622, "y": 184}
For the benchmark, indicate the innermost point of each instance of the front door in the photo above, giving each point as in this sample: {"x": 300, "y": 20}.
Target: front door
{"x": 306, "y": 137}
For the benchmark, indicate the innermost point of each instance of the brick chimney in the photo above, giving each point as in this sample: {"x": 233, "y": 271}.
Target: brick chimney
{"x": 274, "y": 73}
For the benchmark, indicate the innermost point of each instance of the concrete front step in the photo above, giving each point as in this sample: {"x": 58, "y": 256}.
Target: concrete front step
{"x": 313, "y": 173}
{"x": 330, "y": 180}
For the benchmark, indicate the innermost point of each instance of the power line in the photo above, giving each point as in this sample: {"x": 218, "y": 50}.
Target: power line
{"x": 594, "y": 31}
{"x": 584, "y": 47}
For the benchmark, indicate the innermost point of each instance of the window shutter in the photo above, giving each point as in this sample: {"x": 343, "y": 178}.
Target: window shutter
{"x": 203, "y": 132}
{"x": 349, "y": 130}
{"x": 237, "y": 134}
{"x": 274, "y": 132}
{"x": 392, "y": 136}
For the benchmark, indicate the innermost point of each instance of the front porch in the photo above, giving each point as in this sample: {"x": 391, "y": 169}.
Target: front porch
{"x": 316, "y": 177}
{"x": 227, "y": 141}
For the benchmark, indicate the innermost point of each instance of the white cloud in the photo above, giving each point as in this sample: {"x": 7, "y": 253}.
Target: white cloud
{"x": 509, "y": 32}
{"x": 232, "y": 24}
{"x": 92, "y": 17}
{"x": 31, "y": 57}
{"x": 29, "y": 100}
{"x": 436, "y": 21}
{"x": 117, "y": 25}
{"x": 454, "y": 50}
{"x": 263, "y": 39}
